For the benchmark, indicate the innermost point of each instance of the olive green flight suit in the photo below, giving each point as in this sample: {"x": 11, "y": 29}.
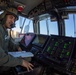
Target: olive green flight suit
{"x": 5, "y": 58}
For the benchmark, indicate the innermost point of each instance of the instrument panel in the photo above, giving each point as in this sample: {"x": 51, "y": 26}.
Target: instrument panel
{"x": 56, "y": 52}
{"x": 39, "y": 43}
{"x": 59, "y": 49}
{"x": 59, "y": 53}
{"x": 63, "y": 3}
{"x": 49, "y": 5}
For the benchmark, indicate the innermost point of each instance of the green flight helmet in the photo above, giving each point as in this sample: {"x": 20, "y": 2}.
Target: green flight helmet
{"x": 9, "y": 11}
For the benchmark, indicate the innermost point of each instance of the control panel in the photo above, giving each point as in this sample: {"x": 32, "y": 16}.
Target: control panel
{"x": 41, "y": 8}
{"x": 56, "y": 52}
{"x": 39, "y": 43}
{"x": 63, "y": 3}
{"x": 72, "y": 67}
{"x": 48, "y": 5}
{"x": 59, "y": 53}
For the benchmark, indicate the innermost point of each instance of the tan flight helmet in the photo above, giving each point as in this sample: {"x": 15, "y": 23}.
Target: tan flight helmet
{"x": 9, "y": 11}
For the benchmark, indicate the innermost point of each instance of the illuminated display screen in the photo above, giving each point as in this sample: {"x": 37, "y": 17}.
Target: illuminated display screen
{"x": 59, "y": 49}
{"x": 27, "y": 39}
{"x": 40, "y": 40}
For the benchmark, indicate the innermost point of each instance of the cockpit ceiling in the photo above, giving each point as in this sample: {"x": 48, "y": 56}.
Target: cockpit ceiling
{"x": 29, "y": 4}
{"x": 37, "y": 7}
{"x": 32, "y": 8}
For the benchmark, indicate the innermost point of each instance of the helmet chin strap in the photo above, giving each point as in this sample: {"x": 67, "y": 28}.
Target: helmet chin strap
{"x": 13, "y": 25}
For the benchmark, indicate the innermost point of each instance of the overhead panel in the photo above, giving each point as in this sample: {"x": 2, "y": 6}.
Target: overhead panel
{"x": 42, "y": 8}
{"x": 63, "y": 3}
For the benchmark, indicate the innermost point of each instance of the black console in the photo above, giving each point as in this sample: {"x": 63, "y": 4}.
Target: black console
{"x": 59, "y": 54}
{"x": 39, "y": 43}
{"x": 55, "y": 53}
{"x": 60, "y": 50}
{"x": 63, "y": 3}
{"x": 37, "y": 70}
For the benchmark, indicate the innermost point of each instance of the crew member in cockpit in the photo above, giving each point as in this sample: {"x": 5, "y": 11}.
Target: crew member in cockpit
{"x": 7, "y": 19}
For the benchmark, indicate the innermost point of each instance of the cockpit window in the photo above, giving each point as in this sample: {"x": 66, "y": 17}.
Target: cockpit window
{"x": 70, "y": 26}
